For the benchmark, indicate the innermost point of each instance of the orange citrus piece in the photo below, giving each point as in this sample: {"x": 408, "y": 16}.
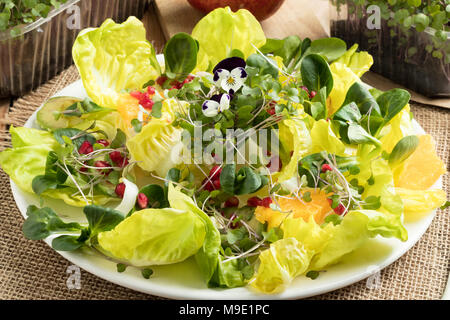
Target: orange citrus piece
{"x": 318, "y": 208}
{"x": 128, "y": 108}
{"x": 422, "y": 169}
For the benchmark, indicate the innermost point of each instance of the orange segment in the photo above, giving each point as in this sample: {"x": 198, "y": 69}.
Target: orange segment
{"x": 128, "y": 108}
{"x": 422, "y": 169}
{"x": 318, "y": 207}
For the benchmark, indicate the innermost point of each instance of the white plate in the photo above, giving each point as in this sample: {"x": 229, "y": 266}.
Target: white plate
{"x": 184, "y": 281}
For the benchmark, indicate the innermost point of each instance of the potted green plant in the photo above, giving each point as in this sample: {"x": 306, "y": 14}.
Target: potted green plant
{"x": 36, "y": 36}
{"x": 409, "y": 39}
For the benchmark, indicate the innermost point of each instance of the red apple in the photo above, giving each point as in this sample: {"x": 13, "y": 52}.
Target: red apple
{"x": 261, "y": 9}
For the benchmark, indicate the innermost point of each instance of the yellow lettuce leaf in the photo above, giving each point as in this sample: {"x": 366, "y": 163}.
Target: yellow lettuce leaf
{"x": 222, "y": 31}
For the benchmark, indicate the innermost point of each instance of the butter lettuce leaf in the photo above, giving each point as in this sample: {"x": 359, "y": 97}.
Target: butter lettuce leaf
{"x": 279, "y": 265}
{"x": 358, "y": 62}
{"x": 153, "y": 146}
{"x": 114, "y": 57}
{"x": 294, "y": 137}
{"x": 207, "y": 257}
{"x": 154, "y": 237}
{"x": 28, "y": 155}
{"x": 324, "y": 139}
{"x": 343, "y": 78}
{"x": 222, "y": 31}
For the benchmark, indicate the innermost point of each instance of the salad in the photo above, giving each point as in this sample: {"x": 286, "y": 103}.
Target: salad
{"x": 262, "y": 159}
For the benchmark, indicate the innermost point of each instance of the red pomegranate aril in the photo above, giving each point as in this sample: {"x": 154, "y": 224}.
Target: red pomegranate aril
{"x": 232, "y": 202}
{"x": 160, "y": 81}
{"x": 326, "y": 167}
{"x": 101, "y": 164}
{"x": 120, "y": 190}
{"x": 254, "y": 202}
{"x": 137, "y": 94}
{"x": 266, "y": 202}
{"x": 117, "y": 158}
{"x": 305, "y": 89}
{"x": 147, "y": 103}
{"x": 215, "y": 172}
{"x": 151, "y": 90}
{"x": 312, "y": 94}
{"x": 142, "y": 201}
{"x": 83, "y": 169}
{"x": 216, "y": 184}
{"x": 103, "y": 142}
{"x": 85, "y": 148}
{"x": 340, "y": 209}
{"x": 208, "y": 185}
{"x": 271, "y": 111}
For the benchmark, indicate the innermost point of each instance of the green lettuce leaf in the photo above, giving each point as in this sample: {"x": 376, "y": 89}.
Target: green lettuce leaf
{"x": 114, "y": 57}
{"x": 294, "y": 137}
{"x": 324, "y": 139}
{"x": 153, "y": 146}
{"x": 222, "y": 31}
{"x": 154, "y": 237}
{"x": 279, "y": 265}
{"x": 207, "y": 257}
{"x": 343, "y": 78}
{"x": 358, "y": 62}
{"x": 27, "y": 158}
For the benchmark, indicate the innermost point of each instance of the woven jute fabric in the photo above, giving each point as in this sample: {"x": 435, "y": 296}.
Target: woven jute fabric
{"x": 32, "y": 270}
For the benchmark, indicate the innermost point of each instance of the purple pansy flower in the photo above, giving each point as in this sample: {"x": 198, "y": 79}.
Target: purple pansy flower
{"x": 217, "y": 104}
{"x": 230, "y": 74}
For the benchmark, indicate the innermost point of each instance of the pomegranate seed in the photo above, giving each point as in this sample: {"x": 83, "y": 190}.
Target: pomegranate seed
{"x": 232, "y": 202}
{"x": 312, "y": 94}
{"x": 146, "y": 102}
{"x": 137, "y": 94}
{"x": 254, "y": 202}
{"x": 305, "y": 88}
{"x": 120, "y": 189}
{"x": 103, "y": 142}
{"x": 142, "y": 201}
{"x": 160, "y": 81}
{"x": 326, "y": 167}
{"x": 271, "y": 111}
{"x": 266, "y": 202}
{"x": 151, "y": 90}
{"x": 209, "y": 186}
{"x": 340, "y": 209}
{"x": 101, "y": 164}
{"x": 83, "y": 169}
{"x": 85, "y": 148}
{"x": 118, "y": 159}
{"x": 216, "y": 184}
{"x": 215, "y": 172}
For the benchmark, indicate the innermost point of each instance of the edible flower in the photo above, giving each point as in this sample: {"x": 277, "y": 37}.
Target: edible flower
{"x": 217, "y": 104}
{"x": 230, "y": 74}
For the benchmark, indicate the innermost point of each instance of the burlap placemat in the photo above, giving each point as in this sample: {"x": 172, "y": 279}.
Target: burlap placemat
{"x": 32, "y": 270}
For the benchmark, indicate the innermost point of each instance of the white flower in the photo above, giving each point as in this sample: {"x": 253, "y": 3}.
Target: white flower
{"x": 211, "y": 108}
{"x": 230, "y": 81}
